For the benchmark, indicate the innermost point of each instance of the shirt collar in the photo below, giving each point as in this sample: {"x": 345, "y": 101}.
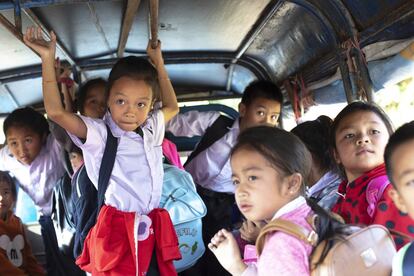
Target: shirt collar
{"x": 115, "y": 129}
{"x": 294, "y": 204}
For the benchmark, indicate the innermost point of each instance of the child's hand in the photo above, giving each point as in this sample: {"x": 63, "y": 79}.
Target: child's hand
{"x": 34, "y": 39}
{"x": 155, "y": 54}
{"x": 225, "y": 248}
{"x": 250, "y": 230}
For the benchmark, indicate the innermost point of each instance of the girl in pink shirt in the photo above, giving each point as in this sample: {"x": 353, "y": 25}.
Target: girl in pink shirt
{"x": 122, "y": 240}
{"x": 269, "y": 167}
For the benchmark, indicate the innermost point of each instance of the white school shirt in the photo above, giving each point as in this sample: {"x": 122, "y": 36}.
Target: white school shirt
{"x": 136, "y": 181}
{"x": 40, "y": 177}
{"x": 211, "y": 167}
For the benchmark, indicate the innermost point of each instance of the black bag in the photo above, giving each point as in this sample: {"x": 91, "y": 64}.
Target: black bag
{"x": 87, "y": 201}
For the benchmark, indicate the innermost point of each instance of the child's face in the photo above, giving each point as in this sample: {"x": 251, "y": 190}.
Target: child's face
{"x": 24, "y": 144}
{"x": 6, "y": 199}
{"x": 360, "y": 141}
{"x": 76, "y": 160}
{"x": 260, "y": 190}
{"x": 260, "y": 112}
{"x": 130, "y": 101}
{"x": 95, "y": 102}
{"x": 402, "y": 161}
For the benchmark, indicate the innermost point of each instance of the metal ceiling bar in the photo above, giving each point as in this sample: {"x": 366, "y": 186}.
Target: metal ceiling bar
{"x": 10, "y": 94}
{"x": 393, "y": 17}
{"x": 98, "y": 26}
{"x": 27, "y": 4}
{"x": 130, "y": 12}
{"x": 255, "y": 31}
{"x": 36, "y": 21}
{"x": 17, "y": 16}
{"x": 11, "y": 28}
{"x": 153, "y": 19}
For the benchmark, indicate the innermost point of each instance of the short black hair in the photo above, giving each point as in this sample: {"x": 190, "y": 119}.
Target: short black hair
{"x": 403, "y": 135}
{"x": 262, "y": 89}
{"x": 28, "y": 118}
{"x": 84, "y": 90}
{"x": 136, "y": 68}
{"x": 7, "y": 178}
{"x": 315, "y": 135}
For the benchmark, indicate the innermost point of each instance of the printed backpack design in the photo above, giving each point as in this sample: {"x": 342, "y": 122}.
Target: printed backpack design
{"x": 186, "y": 208}
{"x": 365, "y": 251}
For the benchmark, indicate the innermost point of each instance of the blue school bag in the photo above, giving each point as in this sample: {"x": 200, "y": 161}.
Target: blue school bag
{"x": 186, "y": 209}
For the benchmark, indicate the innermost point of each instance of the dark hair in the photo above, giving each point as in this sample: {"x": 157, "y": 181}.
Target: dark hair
{"x": 351, "y": 108}
{"x": 262, "y": 89}
{"x": 28, "y": 118}
{"x": 284, "y": 151}
{"x": 136, "y": 68}
{"x": 289, "y": 155}
{"x": 404, "y": 134}
{"x": 6, "y": 177}
{"x": 315, "y": 135}
{"x": 85, "y": 88}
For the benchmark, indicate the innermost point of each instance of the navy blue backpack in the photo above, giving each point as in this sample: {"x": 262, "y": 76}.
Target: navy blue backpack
{"x": 87, "y": 201}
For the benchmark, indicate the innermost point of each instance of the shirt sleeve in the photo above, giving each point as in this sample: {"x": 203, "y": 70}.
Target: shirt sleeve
{"x": 3, "y": 153}
{"x": 156, "y": 125}
{"x": 191, "y": 123}
{"x": 95, "y": 136}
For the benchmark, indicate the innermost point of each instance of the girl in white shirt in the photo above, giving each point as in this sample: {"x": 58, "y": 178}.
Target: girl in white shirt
{"x": 134, "y": 188}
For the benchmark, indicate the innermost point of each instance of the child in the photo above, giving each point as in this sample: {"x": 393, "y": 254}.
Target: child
{"x": 360, "y": 133}
{"x": 16, "y": 256}
{"x": 134, "y": 188}
{"x": 323, "y": 181}
{"x": 92, "y": 97}
{"x": 399, "y": 161}
{"x": 269, "y": 167}
{"x": 209, "y": 163}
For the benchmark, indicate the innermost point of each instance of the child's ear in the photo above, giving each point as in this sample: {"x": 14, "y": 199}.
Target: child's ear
{"x": 242, "y": 109}
{"x": 398, "y": 200}
{"x": 336, "y": 156}
{"x": 295, "y": 182}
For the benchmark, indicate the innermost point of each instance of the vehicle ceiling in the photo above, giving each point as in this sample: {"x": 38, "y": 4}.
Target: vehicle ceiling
{"x": 214, "y": 46}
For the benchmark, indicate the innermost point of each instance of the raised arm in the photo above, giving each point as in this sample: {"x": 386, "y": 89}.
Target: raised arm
{"x": 169, "y": 100}
{"x": 51, "y": 95}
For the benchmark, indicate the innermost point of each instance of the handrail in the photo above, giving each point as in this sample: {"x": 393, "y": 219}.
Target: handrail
{"x": 153, "y": 20}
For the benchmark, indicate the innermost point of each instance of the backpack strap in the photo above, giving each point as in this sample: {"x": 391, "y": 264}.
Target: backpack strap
{"x": 107, "y": 164}
{"x": 288, "y": 227}
{"x": 407, "y": 263}
{"x": 375, "y": 189}
{"x": 213, "y": 133}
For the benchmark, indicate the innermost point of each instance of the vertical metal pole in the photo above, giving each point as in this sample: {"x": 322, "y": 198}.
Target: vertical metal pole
{"x": 17, "y": 16}
{"x": 154, "y": 22}
{"x": 363, "y": 75}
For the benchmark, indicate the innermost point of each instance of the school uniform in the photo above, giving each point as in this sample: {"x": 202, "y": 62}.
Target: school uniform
{"x": 38, "y": 180}
{"x": 403, "y": 261}
{"x": 40, "y": 177}
{"x": 211, "y": 172}
{"x": 282, "y": 253}
{"x": 324, "y": 192}
{"x": 134, "y": 191}
{"x": 353, "y": 206}
{"x": 16, "y": 256}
